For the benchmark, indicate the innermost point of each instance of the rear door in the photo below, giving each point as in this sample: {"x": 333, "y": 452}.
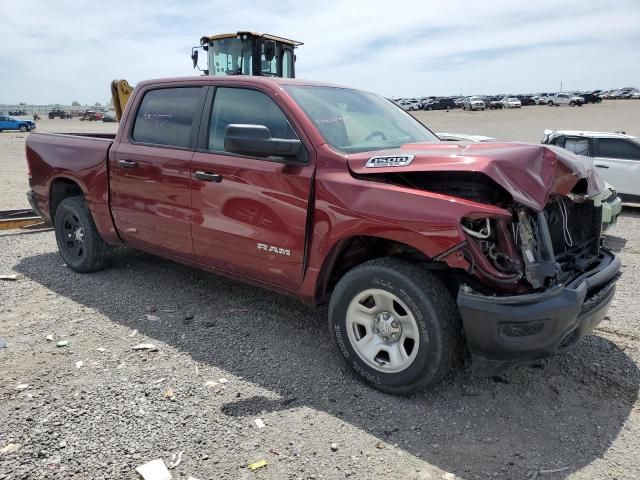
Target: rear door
{"x": 150, "y": 174}
{"x": 250, "y": 213}
{"x": 618, "y": 161}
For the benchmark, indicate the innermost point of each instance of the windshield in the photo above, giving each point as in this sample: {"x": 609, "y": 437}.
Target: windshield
{"x": 230, "y": 56}
{"x": 475, "y": 99}
{"x": 355, "y": 121}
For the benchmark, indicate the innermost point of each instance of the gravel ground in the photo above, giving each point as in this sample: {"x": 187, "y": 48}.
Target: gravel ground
{"x": 574, "y": 416}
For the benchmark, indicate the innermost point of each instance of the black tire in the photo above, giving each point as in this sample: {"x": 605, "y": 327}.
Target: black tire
{"x": 432, "y": 307}
{"x": 550, "y": 103}
{"x": 449, "y": 107}
{"x": 82, "y": 250}
{"x": 23, "y": 128}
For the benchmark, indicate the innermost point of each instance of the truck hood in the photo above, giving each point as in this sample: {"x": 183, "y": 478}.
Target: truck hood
{"x": 529, "y": 172}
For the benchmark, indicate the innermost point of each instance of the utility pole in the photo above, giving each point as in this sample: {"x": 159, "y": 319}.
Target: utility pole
{"x": 560, "y": 85}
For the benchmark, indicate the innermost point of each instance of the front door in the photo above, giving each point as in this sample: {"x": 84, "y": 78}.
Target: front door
{"x": 250, "y": 213}
{"x": 150, "y": 172}
{"x": 618, "y": 161}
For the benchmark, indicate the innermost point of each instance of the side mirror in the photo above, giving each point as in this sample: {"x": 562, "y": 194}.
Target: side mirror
{"x": 256, "y": 140}
{"x": 194, "y": 57}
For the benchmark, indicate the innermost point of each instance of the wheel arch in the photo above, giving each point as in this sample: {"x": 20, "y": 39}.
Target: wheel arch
{"x": 352, "y": 251}
{"x": 62, "y": 187}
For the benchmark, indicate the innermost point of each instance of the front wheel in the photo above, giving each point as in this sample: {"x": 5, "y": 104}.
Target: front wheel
{"x": 79, "y": 242}
{"x": 23, "y": 128}
{"x": 395, "y": 324}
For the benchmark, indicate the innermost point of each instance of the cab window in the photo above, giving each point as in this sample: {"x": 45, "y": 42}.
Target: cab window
{"x": 166, "y": 115}
{"x": 617, "y": 148}
{"x": 245, "y": 106}
{"x": 579, "y": 146}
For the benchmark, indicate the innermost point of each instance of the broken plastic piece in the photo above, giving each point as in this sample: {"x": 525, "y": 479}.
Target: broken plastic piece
{"x": 257, "y": 465}
{"x": 154, "y": 470}
{"x": 146, "y": 346}
{"x": 259, "y": 423}
{"x": 62, "y": 343}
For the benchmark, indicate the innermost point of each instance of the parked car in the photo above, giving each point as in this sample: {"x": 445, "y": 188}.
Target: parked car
{"x": 495, "y": 103}
{"x": 109, "y": 116}
{"x": 511, "y": 102}
{"x": 635, "y": 95}
{"x": 590, "y": 97}
{"x": 58, "y": 113}
{"x": 473, "y": 103}
{"x": 463, "y": 137}
{"x": 18, "y": 113}
{"x": 616, "y": 156}
{"x": 526, "y": 100}
{"x": 10, "y": 123}
{"x": 407, "y": 105}
{"x": 444, "y": 103}
{"x": 419, "y": 246}
{"x": 565, "y": 99}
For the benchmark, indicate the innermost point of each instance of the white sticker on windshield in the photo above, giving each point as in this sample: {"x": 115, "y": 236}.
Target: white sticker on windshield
{"x": 389, "y": 161}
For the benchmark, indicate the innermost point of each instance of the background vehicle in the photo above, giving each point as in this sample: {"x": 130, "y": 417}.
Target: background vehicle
{"x": 58, "y": 113}
{"x": 407, "y": 105}
{"x": 442, "y": 103}
{"x": 473, "y": 103}
{"x": 18, "y": 113}
{"x": 526, "y": 100}
{"x": 239, "y": 53}
{"x": 495, "y": 103}
{"x": 109, "y": 116}
{"x": 590, "y": 97}
{"x": 10, "y": 123}
{"x": 616, "y": 156}
{"x": 511, "y": 102}
{"x": 335, "y": 195}
{"x": 565, "y": 99}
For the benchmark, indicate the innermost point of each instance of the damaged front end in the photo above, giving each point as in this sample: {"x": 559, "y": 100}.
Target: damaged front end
{"x": 538, "y": 278}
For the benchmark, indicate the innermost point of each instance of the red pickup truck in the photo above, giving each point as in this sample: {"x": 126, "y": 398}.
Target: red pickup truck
{"x": 424, "y": 250}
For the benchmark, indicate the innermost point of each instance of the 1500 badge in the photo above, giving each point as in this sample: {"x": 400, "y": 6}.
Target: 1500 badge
{"x": 389, "y": 161}
{"x": 272, "y": 249}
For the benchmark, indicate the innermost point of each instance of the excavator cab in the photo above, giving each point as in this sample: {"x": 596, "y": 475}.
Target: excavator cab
{"x": 247, "y": 53}
{"x": 240, "y": 53}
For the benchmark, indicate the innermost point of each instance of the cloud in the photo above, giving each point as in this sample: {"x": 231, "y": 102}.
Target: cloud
{"x": 71, "y": 49}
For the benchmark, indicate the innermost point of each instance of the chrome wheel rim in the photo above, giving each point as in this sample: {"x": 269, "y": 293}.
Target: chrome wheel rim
{"x": 382, "y": 330}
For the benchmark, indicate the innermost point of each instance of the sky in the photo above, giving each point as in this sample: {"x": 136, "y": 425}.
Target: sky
{"x": 58, "y": 51}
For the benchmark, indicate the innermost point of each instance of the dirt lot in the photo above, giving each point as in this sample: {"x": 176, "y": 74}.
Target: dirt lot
{"x": 574, "y": 416}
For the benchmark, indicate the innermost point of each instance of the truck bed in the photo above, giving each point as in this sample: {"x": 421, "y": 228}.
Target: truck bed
{"x": 78, "y": 157}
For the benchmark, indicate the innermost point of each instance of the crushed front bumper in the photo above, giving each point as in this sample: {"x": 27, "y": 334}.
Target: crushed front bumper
{"x": 502, "y": 331}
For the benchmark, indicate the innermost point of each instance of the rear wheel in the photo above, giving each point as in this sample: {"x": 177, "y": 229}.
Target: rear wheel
{"x": 79, "y": 242}
{"x": 395, "y": 324}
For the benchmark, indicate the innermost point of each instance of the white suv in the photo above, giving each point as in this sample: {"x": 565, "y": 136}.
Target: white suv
{"x": 565, "y": 99}
{"x": 616, "y": 156}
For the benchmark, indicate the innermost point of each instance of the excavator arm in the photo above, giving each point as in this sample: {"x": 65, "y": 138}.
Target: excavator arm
{"x": 120, "y": 93}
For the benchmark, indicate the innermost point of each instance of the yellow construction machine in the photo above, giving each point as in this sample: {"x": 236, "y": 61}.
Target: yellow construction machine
{"x": 240, "y": 53}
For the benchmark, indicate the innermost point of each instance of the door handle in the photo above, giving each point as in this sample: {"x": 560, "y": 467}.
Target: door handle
{"x": 207, "y": 176}
{"x": 127, "y": 164}
{"x": 601, "y": 166}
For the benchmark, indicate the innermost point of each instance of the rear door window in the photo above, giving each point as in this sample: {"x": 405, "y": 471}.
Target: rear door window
{"x": 166, "y": 116}
{"x": 618, "y": 148}
{"x": 579, "y": 146}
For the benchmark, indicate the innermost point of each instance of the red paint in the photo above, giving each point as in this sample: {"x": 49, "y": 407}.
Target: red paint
{"x": 162, "y": 208}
